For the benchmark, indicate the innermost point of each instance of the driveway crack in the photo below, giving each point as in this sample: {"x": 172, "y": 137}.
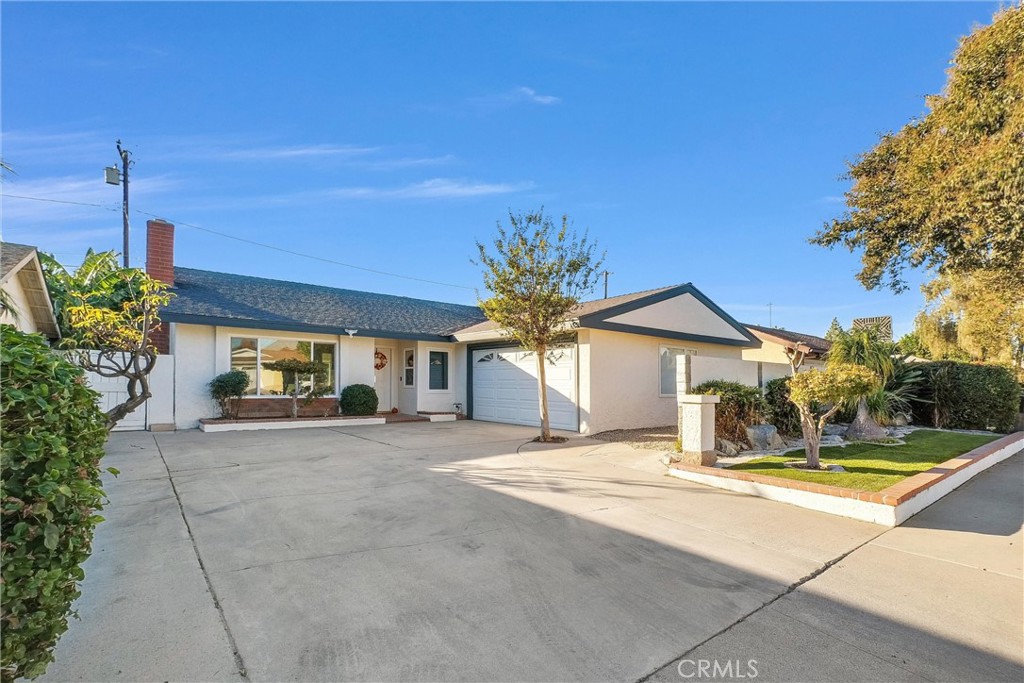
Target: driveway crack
{"x": 239, "y": 663}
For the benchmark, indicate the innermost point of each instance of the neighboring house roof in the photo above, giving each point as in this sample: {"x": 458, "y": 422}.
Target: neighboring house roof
{"x": 674, "y": 312}
{"x": 817, "y": 346}
{"x": 21, "y": 262}
{"x": 13, "y": 256}
{"x": 211, "y": 298}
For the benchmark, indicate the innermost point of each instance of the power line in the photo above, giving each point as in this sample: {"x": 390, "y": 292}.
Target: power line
{"x": 309, "y": 256}
{"x": 59, "y": 201}
{"x": 252, "y": 242}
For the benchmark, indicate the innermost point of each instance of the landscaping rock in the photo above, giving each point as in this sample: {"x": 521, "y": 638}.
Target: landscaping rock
{"x": 727, "y": 447}
{"x": 836, "y": 429}
{"x": 765, "y": 438}
{"x": 901, "y": 420}
{"x": 831, "y": 440}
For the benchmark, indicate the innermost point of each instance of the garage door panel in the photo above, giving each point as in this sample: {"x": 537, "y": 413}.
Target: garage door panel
{"x": 505, "y": 387}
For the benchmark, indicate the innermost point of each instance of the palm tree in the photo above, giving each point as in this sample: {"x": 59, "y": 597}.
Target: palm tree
{"x": 864, "y": 347}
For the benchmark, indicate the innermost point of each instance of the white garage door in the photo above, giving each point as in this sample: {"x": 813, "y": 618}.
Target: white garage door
{"x": 505, "y": 387}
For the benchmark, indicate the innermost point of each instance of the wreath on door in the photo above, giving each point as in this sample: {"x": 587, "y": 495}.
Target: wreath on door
{"x": 380, "y": 361}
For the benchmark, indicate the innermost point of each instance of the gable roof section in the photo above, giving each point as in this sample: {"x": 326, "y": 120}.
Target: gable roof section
{"x": 21, "y": 261}
{"x": 676, "y": 312}
{"x": 584, "y": 308}
{"x": 817, "y": 346}
{"x": 210, "y": 298}
{"x": 680, "y": 312}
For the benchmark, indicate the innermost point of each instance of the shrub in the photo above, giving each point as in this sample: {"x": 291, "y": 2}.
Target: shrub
{"x": 969, "y": 396}
{"x": 52, "y": 441}
{"x": 227, "y": 389}
{"x": 740, "y": 407}
{"x": 358, "y": 399}
{"x": 779, "y": 410}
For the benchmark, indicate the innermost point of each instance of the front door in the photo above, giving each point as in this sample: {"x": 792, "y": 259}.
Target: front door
{"x": 382, "y": 378}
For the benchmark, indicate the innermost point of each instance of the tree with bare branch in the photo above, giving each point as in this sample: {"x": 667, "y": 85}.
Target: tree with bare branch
{"x": 107, "y": 316}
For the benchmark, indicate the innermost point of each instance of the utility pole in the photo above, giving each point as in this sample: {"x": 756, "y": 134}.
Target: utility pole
{"x": 606, "y": 274}
{"x": 115, "y": 177}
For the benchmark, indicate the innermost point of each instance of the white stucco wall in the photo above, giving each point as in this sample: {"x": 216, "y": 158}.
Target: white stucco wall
{"x": 620, "y": 378}
{"x": 356, "y": 363}
{"x": 20, "y": 302}
{"x": 194, "y": 349}
{"x": 437, "y": 400}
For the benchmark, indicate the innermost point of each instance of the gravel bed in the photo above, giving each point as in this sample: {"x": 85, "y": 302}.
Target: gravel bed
{"x": 650, "y": 438}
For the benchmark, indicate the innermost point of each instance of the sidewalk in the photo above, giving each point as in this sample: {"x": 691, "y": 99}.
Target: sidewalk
{"x": 939, "y": 599}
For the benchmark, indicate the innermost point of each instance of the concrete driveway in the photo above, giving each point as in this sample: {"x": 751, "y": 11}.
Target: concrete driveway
{"x": 460, "y": 551}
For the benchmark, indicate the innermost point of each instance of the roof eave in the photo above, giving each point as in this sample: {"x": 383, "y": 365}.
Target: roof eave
{"x": 296, "y": 326}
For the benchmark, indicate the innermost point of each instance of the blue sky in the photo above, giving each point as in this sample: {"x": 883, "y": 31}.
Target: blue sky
{"x": 697, "y": 143}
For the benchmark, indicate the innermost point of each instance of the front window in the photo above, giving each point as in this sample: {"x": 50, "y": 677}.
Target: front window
{"x": 249, "y": 355}
{"x": 438, "y": 370}
{"x": 668, "y": 368}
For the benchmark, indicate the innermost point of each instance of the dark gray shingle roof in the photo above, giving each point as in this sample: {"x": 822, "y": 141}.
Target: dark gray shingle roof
{"x": 208, "y": 297}
{"x": 12, "y": 254}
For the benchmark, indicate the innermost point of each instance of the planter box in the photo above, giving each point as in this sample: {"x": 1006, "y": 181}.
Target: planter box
{"x": 889, "y": 507}
{"x": 287, "y": 423}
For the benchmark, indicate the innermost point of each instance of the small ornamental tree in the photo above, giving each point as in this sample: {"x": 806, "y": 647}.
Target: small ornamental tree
{"x": 818, "y": 395}
{"x": 227, "y": 390}
{"x": 52, "y": 442}
{"x": 536, "y": 275}
{"x": 295, "y": 371}
{"x": 107, "y": 316}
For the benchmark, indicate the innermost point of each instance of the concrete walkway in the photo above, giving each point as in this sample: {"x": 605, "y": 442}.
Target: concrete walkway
{"x": 452, "y": 551}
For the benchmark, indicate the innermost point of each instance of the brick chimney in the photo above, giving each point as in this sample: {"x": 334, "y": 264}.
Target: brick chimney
{"x": 160, "y": 251}
{"x": 160, "y": 266}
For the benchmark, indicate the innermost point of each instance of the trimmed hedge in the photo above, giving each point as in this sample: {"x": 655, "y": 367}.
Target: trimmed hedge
{"x": 779, "y": 410}
{"x": 968, "y": 396}
{"x": 740, "y": 406}
{"x": 227, "y": 389}
{"x": 358, "y": 399}
{"x": 52, "y": 441}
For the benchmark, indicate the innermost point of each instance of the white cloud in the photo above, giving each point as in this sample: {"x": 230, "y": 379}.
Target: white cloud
{"x": 435, "y": 188}
{"x": 518, "y": 95}
{"x": 64, "y": 198}
{"x": 295, "y": 152}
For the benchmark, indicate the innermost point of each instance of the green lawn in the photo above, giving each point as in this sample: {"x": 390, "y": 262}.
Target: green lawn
{"x": 872, "y": 467}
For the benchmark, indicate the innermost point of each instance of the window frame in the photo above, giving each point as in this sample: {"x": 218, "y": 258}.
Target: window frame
{"x": 661, "y": 350}
{"x": 409, "y": 368}
{"x": 259, "y": 353}
{"x": 447, "y": 374}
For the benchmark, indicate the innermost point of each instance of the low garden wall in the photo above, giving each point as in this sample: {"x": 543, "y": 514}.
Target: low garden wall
{"x": 889, "y": 507}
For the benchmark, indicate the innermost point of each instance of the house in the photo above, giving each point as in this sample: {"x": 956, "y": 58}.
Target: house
{"x": 615, "y": 370}
{"x": 24, "y": 288}
{"x": 777, "y": 345}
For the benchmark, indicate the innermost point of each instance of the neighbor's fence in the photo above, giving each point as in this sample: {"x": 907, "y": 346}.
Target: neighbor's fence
{"x": 156, "y": 413}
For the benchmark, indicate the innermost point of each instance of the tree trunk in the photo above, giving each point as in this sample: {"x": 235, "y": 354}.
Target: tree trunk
{"x": 542, "y": 388}
{"x": 812, "y": 441}
{"x": 864, "y": 427}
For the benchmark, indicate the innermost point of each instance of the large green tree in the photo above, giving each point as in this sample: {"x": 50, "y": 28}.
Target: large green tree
{"x": 537, "y": 274}
{"x": 947, "y": 191}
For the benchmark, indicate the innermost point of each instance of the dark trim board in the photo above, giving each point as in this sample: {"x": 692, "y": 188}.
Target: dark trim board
{"x": 668, "y": 334}
{"x": 599, "y": 320}
{"x": 289, "y": 326}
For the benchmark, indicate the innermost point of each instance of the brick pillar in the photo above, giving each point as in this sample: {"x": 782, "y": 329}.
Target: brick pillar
{"x": 160, "y": 266}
